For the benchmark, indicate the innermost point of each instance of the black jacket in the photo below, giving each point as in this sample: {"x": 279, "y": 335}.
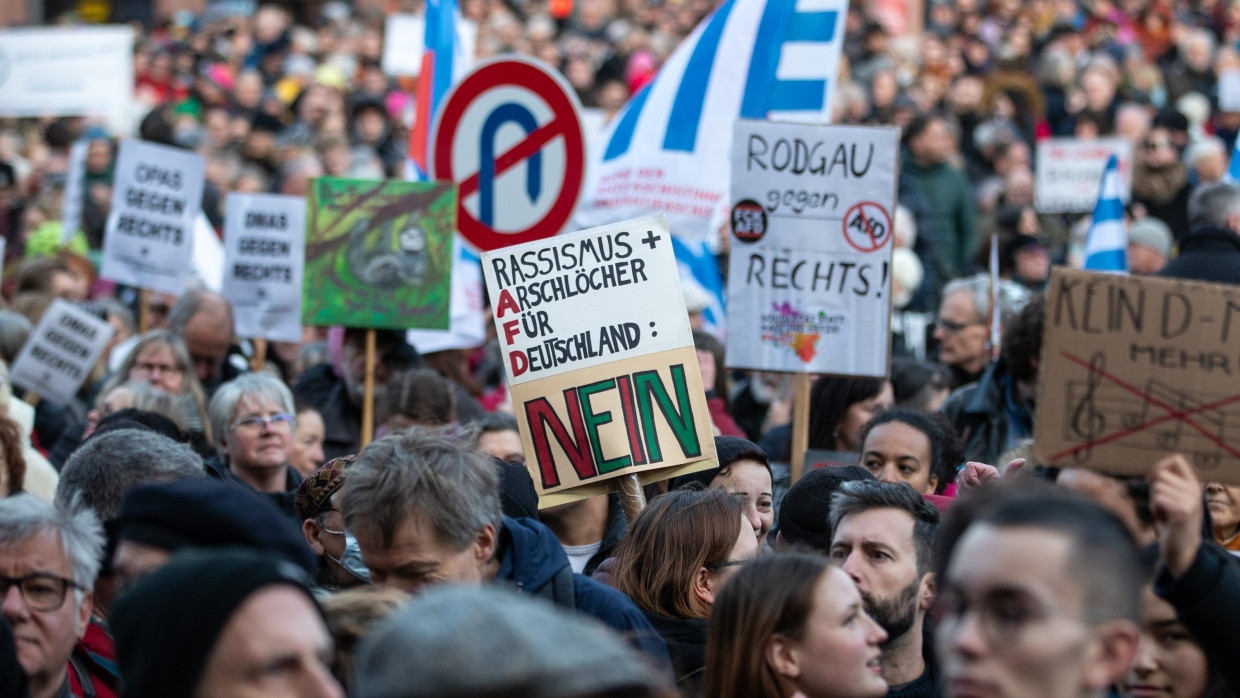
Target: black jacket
{"x": 1207, "y": 254}
{"x": 979, "y": 414}
{"x": 342, "y": 420}
{"x": 1207, "y": 601}
{"x": 686, "y": 644}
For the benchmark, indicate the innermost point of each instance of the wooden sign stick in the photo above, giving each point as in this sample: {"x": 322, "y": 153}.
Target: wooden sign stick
{"x": 368, "y": 402}
{"x": 632, "y": 496}
{"x": 800, "y": 426}
{"x": 144, "y": 308}
{"x": 259, "y": 359}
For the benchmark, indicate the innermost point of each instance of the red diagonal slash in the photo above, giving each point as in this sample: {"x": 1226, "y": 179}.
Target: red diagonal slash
{"x": 1172, "y": 413}
{"x": 528, "y": 146}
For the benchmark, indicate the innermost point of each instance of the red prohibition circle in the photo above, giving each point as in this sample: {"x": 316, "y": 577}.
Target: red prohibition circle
{"x": 859, "y": 231}
{"x": 565, "y": 123}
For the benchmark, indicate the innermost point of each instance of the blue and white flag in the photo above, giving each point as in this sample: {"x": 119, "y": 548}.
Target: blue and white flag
{"x": 1233, "y": 168}
{"x": 1106, "y": 247}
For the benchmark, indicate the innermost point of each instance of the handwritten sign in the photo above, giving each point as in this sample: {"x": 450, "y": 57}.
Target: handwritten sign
{"x": 68, "y": 71}
{"x": 379, "y": 253}
{"x": 156, "y": 197}
{"x": 75, "y": 192}
{"x": 600, "y": 358}
{"x": 809, "y": 274}
{"x": 264, "y": 248}
{"x": 1069, "y": 171}
{"x": 59, "y": 356}
{"x": 1134, "y": 368}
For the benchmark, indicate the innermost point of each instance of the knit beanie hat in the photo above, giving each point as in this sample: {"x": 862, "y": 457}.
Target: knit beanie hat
{"x": 728, "y": 449}
{"x": 804, "y": 514}
{"x": 167, "y": 625}
{"x": 517, "y": 496}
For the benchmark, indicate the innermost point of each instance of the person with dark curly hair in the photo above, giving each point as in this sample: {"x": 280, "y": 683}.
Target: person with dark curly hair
{"x": 902, "y": 445}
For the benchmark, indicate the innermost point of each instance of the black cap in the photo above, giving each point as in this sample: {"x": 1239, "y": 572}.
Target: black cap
{"x": 804, "y": 514}
{"x": 517, "y": 495}
{"x": 728, "y": 449}
{"x": 207, "y": 513}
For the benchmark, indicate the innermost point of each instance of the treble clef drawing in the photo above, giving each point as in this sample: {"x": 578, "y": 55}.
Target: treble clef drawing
{"x": 1087, "y": 421}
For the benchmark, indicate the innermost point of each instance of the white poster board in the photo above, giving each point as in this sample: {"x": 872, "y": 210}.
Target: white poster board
{"x": 404, "y": 37}
{"x": 1229, "y": 90}
{"x": 67, "y": 71}
{"x": 1069, "y": 171}
{"x": 60, "y": 353}
{"x": 264, "y": 254}
{"x": 809, "y": 274}
{"x": 71, "y": 214}
{"x": 155, "y": 200}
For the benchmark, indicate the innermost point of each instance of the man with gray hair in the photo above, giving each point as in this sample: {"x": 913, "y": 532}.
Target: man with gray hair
{"x": 963, "y": 327}
{"x": 883, "y": 537}
{"x": 426, "y": 511}
{"x": 204, "y": 321}
{"x": 49, "y": 558}
{"x": 1211, "y": 250}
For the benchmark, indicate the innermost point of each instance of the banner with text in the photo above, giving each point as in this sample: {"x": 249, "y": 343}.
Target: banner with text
{"x": 378, "y": 253}
{"x": 61, "y": 352}
{"x": 264, "y": 248}
{"x": 600, "y": 358}
{"x": 155, "y": 200}
{"x": 68, "y": 71}
{"x": 1069, "y": 171}
{"x": 809, "y": 274}
{"x": 1134, "y": 368}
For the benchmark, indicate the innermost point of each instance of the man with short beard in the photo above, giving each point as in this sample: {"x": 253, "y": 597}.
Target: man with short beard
{"x": 884, "y": 539}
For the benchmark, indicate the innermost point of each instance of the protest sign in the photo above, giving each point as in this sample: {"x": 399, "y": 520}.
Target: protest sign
{"x": 68, "y": 71}
{"x": 75, "y": 192}
{"x": 810, "y": 266}
{"x": 1134, "y": 368}
{"x": 264, "y": 250}
{"x": 155, "y": 201}
{"x": 403, "y": 40}
{"x": 1229, "y": 90}
{"x": 601, "y": 363}
{"x": 1069, "y": 171}
{"x": 378, "y": 254}
{"x": 61, "y": 352}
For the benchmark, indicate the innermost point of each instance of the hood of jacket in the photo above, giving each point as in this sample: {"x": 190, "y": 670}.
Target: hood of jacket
{"x": 530, "y": 554}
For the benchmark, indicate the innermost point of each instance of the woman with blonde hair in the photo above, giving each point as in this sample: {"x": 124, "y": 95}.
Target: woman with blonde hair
{"x": 160, "y": 358}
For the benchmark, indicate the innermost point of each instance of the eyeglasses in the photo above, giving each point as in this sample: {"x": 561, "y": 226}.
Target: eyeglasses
{"x": 950, "y": 327}
{"x": 1156, "y": 145}
{"x": 41, "y": 591}
{"x": 1001, "y": 617}
{"x": 732, "y": 563}
{"x": 143, "y": 368}
{"x": 256, "y": 423}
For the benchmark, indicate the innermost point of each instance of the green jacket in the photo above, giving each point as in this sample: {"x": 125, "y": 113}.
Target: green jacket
{"x": 951, "y": 205}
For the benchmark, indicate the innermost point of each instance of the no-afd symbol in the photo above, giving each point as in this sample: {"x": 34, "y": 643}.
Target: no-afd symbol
{"x": 748, "y": 220}
{"x": 867, "y": 226}
{"x": 510, "y": 136}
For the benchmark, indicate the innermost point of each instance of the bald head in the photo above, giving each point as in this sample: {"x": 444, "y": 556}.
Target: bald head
{"x": 204, "y": 320}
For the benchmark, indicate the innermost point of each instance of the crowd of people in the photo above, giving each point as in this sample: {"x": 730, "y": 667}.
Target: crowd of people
{"x": 204, "y": 519}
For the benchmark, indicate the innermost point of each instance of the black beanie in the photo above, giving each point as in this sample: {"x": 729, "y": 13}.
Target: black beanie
{"x": 207, "y": 513}
{"x": 804, "y": 514}
{"x": 167, "y": 625}
{"x": 517, "y": 496}
{"x": 728, "y": 449}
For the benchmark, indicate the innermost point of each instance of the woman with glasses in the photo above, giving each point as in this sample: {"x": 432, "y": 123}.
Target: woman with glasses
{"x": 677, "y": 555}
{"x": 792, "y": 624}
{"x": 252, "y": 417}
{"x": 160, "y": 359}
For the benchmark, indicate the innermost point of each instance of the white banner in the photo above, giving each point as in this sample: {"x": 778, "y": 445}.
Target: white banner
{"x": 467, "y": 308}
{"x": 71, "y": 215}
{"x": 1069, "y": 171}
{"x": 67, "y": 71}
{"x": 404, "y": 38}
{"x": 60, "y": 353}
{"x": 668, "y": 149}
{"x": 155, "y": 199}
{"x": 265, "y": 252}
{"x": 809, "y": 275}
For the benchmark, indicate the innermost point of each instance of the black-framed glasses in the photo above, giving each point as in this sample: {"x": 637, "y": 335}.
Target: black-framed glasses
{"x": 954, "y": 327}
{"x": 42, "y": 591}
{"x": 732, "y": 563}
{"x": 256, "y": 423}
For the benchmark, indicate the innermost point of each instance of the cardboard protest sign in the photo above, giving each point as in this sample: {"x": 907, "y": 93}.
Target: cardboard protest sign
{"x": 378, "y": 254}
{"x": 60, "y": 353}
{"x": 264, "y": 250}
{"x": 155, "y": 200}
{"x": 1069, "y": 171}
{"x": 1134, "y": 368}
{"x": 810, "y": 267}
{"x": 75, "y": 192}
{"x": 600, "y": 358}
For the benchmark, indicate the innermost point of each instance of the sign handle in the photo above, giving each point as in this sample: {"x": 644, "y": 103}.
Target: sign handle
{"x": 144, "y": 308}
{"x": 800, "y": 426}
{"x": 368, "y": 402}
{"x": 260, "y": 354}
{"x": 632, "y": 496}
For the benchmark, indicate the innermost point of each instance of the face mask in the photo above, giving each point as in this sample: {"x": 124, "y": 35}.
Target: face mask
{"x": 351, "y": 559}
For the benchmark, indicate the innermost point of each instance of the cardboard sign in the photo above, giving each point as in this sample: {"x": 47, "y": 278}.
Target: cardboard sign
{"x": 155, "y": 201}
{"x": 600, "y": 358}
{"x": 378, "y": 254}
{"x": 264, "y": 248}
{"x": 75, "y": 192}
{"x": 810, "y": 268}
{"x": 1134, "y": 368}
{"x": 68, "y": 71}
{"x": 1069, "y": 172}
{"x": 61, "y": 352}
